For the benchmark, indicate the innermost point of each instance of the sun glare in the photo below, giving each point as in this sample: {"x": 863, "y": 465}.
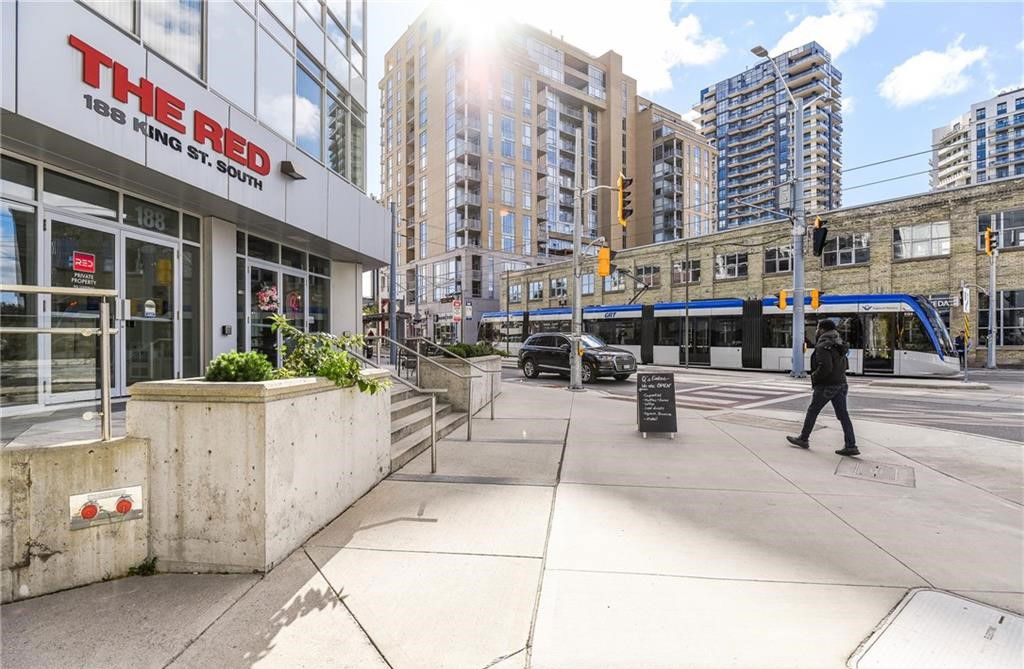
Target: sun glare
{"x": 476, "y": 21}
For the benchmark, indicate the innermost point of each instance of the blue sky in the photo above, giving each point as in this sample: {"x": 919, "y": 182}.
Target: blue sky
{"x": 907, "y": 67}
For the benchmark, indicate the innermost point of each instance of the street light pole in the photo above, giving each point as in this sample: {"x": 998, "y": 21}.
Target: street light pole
{"x": 575, "y": 368}
{"x": 799, "y": 224}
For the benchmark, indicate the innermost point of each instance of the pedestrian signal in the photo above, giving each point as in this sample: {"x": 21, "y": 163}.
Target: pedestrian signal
{"x": 782, "y": 300}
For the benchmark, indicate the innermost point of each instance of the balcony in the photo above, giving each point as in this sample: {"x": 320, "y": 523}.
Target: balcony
{"x": 463, "y": 199}
{"x": 466, "y": 173}
{"x": 572, "y": 113}
{"x": 462, "y": 123}
{"x": 468, "y": 224}
{"x": 463, "y": 147}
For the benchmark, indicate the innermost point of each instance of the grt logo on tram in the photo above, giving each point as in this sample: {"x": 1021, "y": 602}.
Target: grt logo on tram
{"x": 168, "y": 110}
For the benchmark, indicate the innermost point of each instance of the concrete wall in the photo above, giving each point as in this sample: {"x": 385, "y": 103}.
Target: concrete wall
{"x": 39, "y": 553}
{"x": 219, "y": 287}
{"x": 432, "y": 376}
{"x": 346, "y": 298}
{"x": 240, "y": 474}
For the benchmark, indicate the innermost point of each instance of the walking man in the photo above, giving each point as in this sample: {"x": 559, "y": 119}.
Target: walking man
{"x": 960, "y": 344}
{"x": 828, "y": 379}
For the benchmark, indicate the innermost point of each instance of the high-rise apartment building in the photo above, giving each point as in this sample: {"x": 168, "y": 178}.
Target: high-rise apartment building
{"x": 478, "y": 156}
{"x": 674, "y": 189}
{"x": 985, "y": 143}
{"x": 748, "y": 118}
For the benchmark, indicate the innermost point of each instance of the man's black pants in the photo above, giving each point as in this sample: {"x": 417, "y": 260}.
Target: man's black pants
{"x": 837, "y": 396}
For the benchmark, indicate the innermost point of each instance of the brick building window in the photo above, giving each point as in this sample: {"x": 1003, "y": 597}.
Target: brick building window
{"x": 587, "y": 283}
{"x": 1009, "y": 318}
{"x": 1009, "y": 225}
{"x": 683, "y": 273}
{"x": 536, "y": 291}
{"x": 614, "y": 283}
{"x": 515, "y": 292}
{"x": 559, "y": 287}
{"x": 920, "y": 240}
{"x": 778, "y": 259}
{"x": 650, "y": 275}
{"x": 848, "y": 249}
{"x": 730, "y": 265}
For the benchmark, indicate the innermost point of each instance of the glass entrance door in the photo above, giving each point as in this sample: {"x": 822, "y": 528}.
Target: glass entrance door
{"x": 273, "y": 291}
{"x": 148, "y": 310}
{"x": 80, "y": 257}
{"x": 699, "y": 341}
{"x": 879, "y": 342}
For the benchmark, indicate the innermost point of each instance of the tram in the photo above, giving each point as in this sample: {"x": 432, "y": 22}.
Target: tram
{"x": 890, "y": 334}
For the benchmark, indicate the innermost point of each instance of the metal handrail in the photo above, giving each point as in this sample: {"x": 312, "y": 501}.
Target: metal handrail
{"x": 469, "y": 399}
{"x": 104, "y": 331}
{"x": 471, "y": 364}
{"x": 433, "y": 405}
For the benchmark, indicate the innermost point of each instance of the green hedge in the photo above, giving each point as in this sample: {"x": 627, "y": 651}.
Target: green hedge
{"x": 473, "y": 350}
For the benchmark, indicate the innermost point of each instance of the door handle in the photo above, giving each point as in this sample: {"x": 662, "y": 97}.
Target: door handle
{"x": 118, "y": 310}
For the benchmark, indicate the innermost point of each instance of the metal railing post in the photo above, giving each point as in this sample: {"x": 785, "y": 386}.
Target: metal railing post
{"x": 469, "y": 421}
{"x": 433, "y": 434}
{"x": 105, "y": 370}
{"x": 492, "y": 396}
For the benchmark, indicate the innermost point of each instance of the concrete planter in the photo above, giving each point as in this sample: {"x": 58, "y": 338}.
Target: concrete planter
{"x": 241, "y": 474}
{"x": 431, "y": 376}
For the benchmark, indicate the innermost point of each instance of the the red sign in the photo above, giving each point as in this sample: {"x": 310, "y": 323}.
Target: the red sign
{"x": 84, "y": 262}
{"x": 169, "y": 110}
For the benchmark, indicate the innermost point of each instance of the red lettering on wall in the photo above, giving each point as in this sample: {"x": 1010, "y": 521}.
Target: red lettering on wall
{"x": 205, "y": 128}
{"x": 169, "y": 110}
{"x": 142, "y": 90}
{"x": 91, "y": 61}
{"x": 259, "y": 161}
{"x": 234, "y": 146}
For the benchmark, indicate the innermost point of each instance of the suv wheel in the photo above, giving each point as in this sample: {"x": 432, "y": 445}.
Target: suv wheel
{"x": 530, "y": 369}
{"x": 587, "y": 372}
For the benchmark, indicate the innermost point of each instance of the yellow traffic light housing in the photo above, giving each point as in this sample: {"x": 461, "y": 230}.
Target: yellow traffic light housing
{"x": 624, "y": 212}
{"x": 990, "y": 241}
{"x": 604, "y": 261}
{"x": 782, "y": 300}
{"x": 815, "y": 299}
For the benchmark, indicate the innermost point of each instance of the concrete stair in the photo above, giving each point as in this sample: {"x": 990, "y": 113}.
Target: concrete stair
{"x": 410, "y": 423}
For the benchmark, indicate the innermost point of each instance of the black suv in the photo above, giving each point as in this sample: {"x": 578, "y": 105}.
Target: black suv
{"x": 549, "y": 352}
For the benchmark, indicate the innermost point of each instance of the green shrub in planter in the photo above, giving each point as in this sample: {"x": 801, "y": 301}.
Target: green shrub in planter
{"x": 238, "y": 367}
{"x": 322, "y": 354}
{"x": 472, "y": 350}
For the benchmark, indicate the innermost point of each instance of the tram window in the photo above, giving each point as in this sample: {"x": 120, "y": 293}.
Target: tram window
{"x": 849, "y": 329}
{"x": 726, "y": 331}
{"x": 668, "y": 332}
{"x": 911, "y": 335}
{"x": 778, "y": 332}
{"x": 618, "y": 331}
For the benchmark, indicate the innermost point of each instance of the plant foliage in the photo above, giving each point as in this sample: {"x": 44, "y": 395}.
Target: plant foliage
{"x": 322, "y": 354}
{"x": 234, "y": 366}
{"x": 473, "y": 350}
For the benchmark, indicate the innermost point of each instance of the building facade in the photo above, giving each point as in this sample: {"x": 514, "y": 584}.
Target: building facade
{"x": 926, "y": 244}
{"x": 144, "y": 152}
{"x": 748, "y": 118}
{"x": 478, "y": 158}
{"x": 984, "y": 144}
{"x": 674, "y": 188}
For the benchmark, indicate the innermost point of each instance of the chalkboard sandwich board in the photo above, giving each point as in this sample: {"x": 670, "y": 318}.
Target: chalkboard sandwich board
{"x": 656, "y": 403}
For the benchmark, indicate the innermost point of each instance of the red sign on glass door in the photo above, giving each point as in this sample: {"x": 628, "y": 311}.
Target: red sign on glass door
{"x": 84, "y": 262}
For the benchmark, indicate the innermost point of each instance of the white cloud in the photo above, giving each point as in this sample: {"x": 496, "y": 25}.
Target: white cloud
{"x": 650, "y": 41}
{"x": 931, "y": 74}
{"x": 847, "y": 22}
{"x": 849, "y": 104}
{"x": 691, "y": 116}
{"x": 791, "y": 16}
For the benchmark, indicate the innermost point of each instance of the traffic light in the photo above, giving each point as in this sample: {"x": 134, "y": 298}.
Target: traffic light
{"x": 782, "y": 300}
{"x": 820, "y": 235}
{"x": 624, "y": 211}
{"x": 815, "y": 299}
{"x": 991, "y": 241}
{"x": 604, "y": 261}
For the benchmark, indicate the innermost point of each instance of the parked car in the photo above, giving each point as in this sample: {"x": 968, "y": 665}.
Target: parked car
{"x": 549, "y": 352}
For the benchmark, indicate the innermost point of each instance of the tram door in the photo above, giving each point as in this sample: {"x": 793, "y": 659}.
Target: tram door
{"x": 699, "y": 339}
{"x": 879, "y": 342}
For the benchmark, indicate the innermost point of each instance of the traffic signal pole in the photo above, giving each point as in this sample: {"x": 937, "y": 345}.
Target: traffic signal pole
{"x": 993, "y": 309}
{"x": 575, "y": 360}
{"x": 799, "y": 230}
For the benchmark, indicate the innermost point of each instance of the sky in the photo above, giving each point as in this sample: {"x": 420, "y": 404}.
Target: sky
{"x": 908, "y": 67}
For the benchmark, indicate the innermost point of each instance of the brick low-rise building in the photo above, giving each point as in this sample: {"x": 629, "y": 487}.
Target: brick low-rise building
{"x": 925, "y": 244}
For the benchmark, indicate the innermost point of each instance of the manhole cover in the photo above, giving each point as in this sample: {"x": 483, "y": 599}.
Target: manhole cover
{"x": 876, "y": 471}
{"x": 788, "y": 426}
{"x": 936, "y": 630}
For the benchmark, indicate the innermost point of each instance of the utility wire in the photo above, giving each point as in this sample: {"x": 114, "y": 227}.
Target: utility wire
{"x": 882, "y": 181}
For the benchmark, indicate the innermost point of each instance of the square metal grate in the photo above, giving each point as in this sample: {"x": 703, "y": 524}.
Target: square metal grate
{"x": 876, "y": 471}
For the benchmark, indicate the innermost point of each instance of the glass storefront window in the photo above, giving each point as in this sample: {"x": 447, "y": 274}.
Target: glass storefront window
{"x": 293, "y": 258}
{"x": 274, "y": 86}
{"x": 356, "y": 21}
{"x": 319, "y": 265}
{"x": 337, "y": 134}
{"x": 175, "y": 30}
{"x": 263, "y": 249}
{"x": 358, "y": 141}
{"x": 319, "y": 304}
{"x": 308, "y": 95}
{"x": 79, "y": 197}
{"x": 190, "y": 228}
{"x": 283, "y": 10}
{"x": 19, "y": 179}
{"x": 232, "y": 47}
{"x": 265, "y": 302}
{"x": 240, "y": 306}
{"x": 148, "y": 216}
{"x": 19, "y": 375}
{"x": 191, "y": 287}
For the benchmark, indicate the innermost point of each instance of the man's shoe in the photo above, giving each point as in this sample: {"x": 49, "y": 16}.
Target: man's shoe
{"x": 849, "y": 450}
{"x": 798, "y": 442}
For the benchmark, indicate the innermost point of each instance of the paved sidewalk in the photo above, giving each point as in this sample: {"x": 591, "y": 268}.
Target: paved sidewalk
{"x": 561, "y": 538}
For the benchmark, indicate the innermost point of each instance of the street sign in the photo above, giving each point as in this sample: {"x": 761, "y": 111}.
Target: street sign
{"x": 469, "y": 311}
{"x": 457, "y": 310}
{"x": 656, "y": 403}
{"x": 965, "y": 298}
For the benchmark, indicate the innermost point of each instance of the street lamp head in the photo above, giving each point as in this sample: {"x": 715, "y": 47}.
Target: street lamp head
{"x": 759, "y": 51}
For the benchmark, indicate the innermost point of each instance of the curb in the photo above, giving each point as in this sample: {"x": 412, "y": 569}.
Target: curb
{"x": 931, "y": 385}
